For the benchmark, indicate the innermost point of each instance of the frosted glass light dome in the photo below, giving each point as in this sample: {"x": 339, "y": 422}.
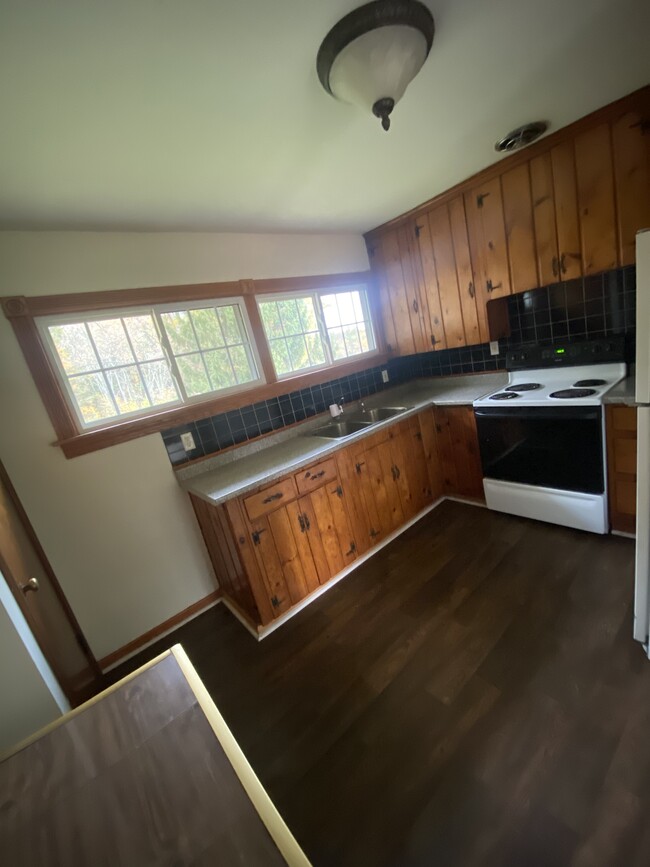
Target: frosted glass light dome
{"x": 369, "y": 58}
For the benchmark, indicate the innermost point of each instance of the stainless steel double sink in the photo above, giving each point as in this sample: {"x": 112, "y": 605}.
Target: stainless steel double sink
{"x": 357, "y": 421}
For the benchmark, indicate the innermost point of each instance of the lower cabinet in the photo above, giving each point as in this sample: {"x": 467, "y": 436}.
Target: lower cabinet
{"x": 273, "y": 547}
{"x": 621, "y": 432}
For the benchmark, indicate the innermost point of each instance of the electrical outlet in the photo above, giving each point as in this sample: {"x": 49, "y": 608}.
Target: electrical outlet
{"x": 188, "y": 441}
{"x": 494, "y": 347}
{"x": 384, "y": 376}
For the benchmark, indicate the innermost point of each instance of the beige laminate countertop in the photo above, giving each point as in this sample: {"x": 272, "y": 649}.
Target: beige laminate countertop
{"x": 226, "y": 476}
{"x": 623, "y": 393}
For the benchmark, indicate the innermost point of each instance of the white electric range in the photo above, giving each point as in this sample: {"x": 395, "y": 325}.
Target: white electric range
{"x": 542, "y": 436}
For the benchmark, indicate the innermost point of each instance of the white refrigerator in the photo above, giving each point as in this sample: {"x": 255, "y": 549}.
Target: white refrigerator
{"x": 642, "y": 575}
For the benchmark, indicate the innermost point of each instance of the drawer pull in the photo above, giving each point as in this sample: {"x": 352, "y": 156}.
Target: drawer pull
{"x": 471, "y": 290}
{"x": 416, "y": 306}
{"x": 306, "y": 520}
{"x": 256, "y": 536}
{"x": 338, "y": 490}
{"x": 318, "y": 475}
{"x": 277, "y": 496}
{"x": 358, "y": 466}
{"x": 301, "y": 522}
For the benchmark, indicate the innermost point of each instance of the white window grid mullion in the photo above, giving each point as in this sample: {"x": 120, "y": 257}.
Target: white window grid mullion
{"x": 200, "y": 352}
{"x": 322, "y": 327}
{"x": 102, "y": 370}
{"x": 137, "y": 363}
{"x": 169, "y": 355}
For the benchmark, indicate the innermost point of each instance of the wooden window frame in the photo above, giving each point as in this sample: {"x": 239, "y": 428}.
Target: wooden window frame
{"x": 23, "y": 312}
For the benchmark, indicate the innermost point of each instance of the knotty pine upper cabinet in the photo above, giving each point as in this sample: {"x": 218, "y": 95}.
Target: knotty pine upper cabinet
{"x": 488, "y": 248}
{"x": 631, "y": 144}
{"x": 520, "y": 231}
{"x": 399, "y": 293}
{"x": 447, "y": 273}
{"x": 595, "y": 183}
{"x": 567, "y": 219}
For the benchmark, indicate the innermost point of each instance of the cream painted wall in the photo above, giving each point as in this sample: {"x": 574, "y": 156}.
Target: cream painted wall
{"x": 116, "y": 527}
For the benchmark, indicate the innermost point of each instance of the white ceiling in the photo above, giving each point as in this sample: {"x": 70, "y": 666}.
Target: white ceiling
{"x": 208, "y": 114}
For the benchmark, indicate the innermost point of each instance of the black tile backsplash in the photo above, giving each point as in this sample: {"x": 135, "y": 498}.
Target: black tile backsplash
{"x": 584, "y": 309}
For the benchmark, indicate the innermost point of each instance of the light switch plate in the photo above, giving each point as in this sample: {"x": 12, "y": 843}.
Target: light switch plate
{"x": 188, "y": 441}
{"x": 494, "y": 347}
{"x": 384, "y": 376}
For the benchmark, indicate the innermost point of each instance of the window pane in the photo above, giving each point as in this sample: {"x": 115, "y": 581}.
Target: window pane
{"x": 230, "y": 325}
{"x": 241, "y": 363}
{"x": 271, "y": 319}
{"x": 127, "y": 389}
{"x": 111, "y": 342}
{"x": 179, "y": 331}
{"x": 159, "y": 382}
{"x": 298, "y": 352}
{"x": 92, "y": 396}
{"x": 330, "y": 311}
{"x": 280, "y": 356}
{"x": 307, "y": 314}
{"x": 358, "y": 308}
{"x": 208, "y": 330}
{"x": 346, "y": 308}
{"x": 315, "y": 348}
{"x": 193, "y": 374}
{"x": 352, "y": 343}
{"x": 220, "y": 368}
{"x": 290, "y": 317}
{"x": 363, "y": 338}
{"x": 337, "y": 343}
{"x": 144, "y": 337}
{"x": 74, "y": 348}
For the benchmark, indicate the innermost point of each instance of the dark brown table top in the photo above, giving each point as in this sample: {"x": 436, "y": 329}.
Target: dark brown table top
{"x": 147, "y": 773}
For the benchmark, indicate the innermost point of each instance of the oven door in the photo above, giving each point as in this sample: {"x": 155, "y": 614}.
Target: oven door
{"x": 554, "y": 447}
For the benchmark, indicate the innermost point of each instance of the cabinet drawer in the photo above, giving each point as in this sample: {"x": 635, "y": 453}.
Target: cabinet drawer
{"x": 624, "y": 418}
{"x": 270, "y": 498}
{"x": 313, "y": 477}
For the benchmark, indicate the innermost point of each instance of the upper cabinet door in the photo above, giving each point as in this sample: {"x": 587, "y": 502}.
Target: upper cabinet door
{"x": 487, "y": 239}
{"x": 466, "y": 286}
{"x": 541, "y": 182}
{"x": 595, "y": 177}
{"x": 566, "y": 211}
{"x": 411, "y": 274}
{"x": 631, "y": 141}
{"x": 396, "y": 306}
{"x": 520, "y": 232}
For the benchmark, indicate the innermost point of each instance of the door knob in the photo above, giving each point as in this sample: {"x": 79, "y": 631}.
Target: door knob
{"x": 32, "y": 584}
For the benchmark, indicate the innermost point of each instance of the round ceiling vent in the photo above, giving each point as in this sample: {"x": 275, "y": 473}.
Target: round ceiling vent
{"x": 521, "y": 136}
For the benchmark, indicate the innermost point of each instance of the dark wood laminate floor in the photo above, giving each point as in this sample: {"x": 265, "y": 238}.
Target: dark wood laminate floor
{"x": 470, "y": 696}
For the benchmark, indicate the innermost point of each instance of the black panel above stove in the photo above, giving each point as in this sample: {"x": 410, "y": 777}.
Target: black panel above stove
{"x": 608, "y": 349}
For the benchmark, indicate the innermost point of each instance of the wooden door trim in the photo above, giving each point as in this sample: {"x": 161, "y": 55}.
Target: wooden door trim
{"x": 18, "y": 596}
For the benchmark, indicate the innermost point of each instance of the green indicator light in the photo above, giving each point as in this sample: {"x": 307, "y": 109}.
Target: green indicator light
{"x": 559, "y": 351}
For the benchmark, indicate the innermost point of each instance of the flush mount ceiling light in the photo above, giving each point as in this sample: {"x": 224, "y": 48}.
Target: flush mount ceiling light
{"x": 371, "y": 55}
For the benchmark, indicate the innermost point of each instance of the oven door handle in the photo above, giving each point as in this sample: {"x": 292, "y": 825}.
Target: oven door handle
{"x": 551, "y": 413}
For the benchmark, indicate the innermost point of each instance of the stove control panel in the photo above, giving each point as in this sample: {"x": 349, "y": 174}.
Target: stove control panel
{"x": 606, "y": 349}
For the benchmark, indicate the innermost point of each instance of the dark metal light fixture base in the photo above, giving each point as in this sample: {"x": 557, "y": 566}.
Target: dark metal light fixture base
{"x": 382, "y": 109}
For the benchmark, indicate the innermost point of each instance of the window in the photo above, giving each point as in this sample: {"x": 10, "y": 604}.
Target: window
{"x": 317, "y": 329}
{"x": 126, "y": 363}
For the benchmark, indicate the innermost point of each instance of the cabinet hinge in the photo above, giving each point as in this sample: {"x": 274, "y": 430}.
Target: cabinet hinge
{"x": 255, "y": 536}
{"x": 275, "y": 601}
{"x": 418, "y": 229}
{"x": 358, "y": 466}
{"x": 338, "y": 490}
{"x": 373, "y": 532}
{"x": 480, "y": 198}
{"x": 301, "y": 522}
{"x": 353, "y": 548}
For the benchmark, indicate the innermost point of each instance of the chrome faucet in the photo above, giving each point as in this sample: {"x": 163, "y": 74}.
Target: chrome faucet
{"x": 341, "y": 402}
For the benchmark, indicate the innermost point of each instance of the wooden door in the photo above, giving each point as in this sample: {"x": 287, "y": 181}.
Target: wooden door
{"x": 439, "y": 267}
{"x": 327, "y": 530}
{"x": 399, "y": 295}
{"x": 410, "y": 468}
{"x": 566, "y": 211}
{"x": 520, "y": 229}
{"x": 631, "y": 141}
{"x": 595, "y": 178}
{"x": 411, "y": 271}
{"x": 376, "y": 258}
{"x": 34, "y": 585}
{"x": 429, "y": 434}
{"x": 464, "y": 273}
{"x": 364, "y": 522}
{"x": 487, "y": 238}
{"x": 543, "y": 197}
{"x": 460, "y": 459}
